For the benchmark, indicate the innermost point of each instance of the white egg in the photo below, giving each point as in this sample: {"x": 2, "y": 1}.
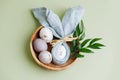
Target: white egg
{"x": 45, "y": 57}
{"x": 46, "y": 34}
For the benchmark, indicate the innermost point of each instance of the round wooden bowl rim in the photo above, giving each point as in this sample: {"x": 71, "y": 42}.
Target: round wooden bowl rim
{"x": 40, "y": 63}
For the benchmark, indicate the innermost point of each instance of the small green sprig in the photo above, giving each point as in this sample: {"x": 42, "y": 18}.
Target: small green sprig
{"x": 86, "y": 45}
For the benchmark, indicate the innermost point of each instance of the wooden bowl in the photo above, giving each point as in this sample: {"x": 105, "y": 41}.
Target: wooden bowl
{"x": 50, "y": 66}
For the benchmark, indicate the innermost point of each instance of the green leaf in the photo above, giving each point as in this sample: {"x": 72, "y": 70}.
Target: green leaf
{"x": 72, "y": 49}
{"x": 78, "y": 30}
{"x": 78, "y": 47}
{"x": 96, "y": 46}
{"x": 82, "y": 31}
{"x": 72, "y": 45}
{"x": 75, "y": 34}
{"x": 78, "y": 55}
{"x": 85, "y": 50}
{"x": 81, "y": 26}
{"x": 99, "y": 44}
{"x": 74, "y": 42}
{"x": 82, "y": 36}
{"x": 94, "y": 40}
{"x": 82, "y": 23}
{"x": 85, "y": 42}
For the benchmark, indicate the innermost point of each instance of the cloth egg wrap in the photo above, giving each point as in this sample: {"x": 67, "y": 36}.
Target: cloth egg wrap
{"x": 60, "y": 29}
{"x": 56, "y": 59}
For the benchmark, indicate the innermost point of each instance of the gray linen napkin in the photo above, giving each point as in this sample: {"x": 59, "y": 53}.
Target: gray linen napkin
{"x": 59, "y": 28}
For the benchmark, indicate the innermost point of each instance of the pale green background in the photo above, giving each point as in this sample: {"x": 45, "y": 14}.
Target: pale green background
{"x": 101, "y": 18}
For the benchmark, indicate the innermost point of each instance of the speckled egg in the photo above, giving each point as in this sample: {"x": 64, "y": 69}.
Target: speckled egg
{"x": 46, "y": 34}
{"x": 39, "y": 45}
{"x": 45, "y": 57}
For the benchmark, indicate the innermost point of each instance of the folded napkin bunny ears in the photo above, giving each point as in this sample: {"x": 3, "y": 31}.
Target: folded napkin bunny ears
{"x": 59, "y": 28}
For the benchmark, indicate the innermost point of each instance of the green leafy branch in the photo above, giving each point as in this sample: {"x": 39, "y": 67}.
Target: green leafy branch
{"x": 86, "y": 45}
